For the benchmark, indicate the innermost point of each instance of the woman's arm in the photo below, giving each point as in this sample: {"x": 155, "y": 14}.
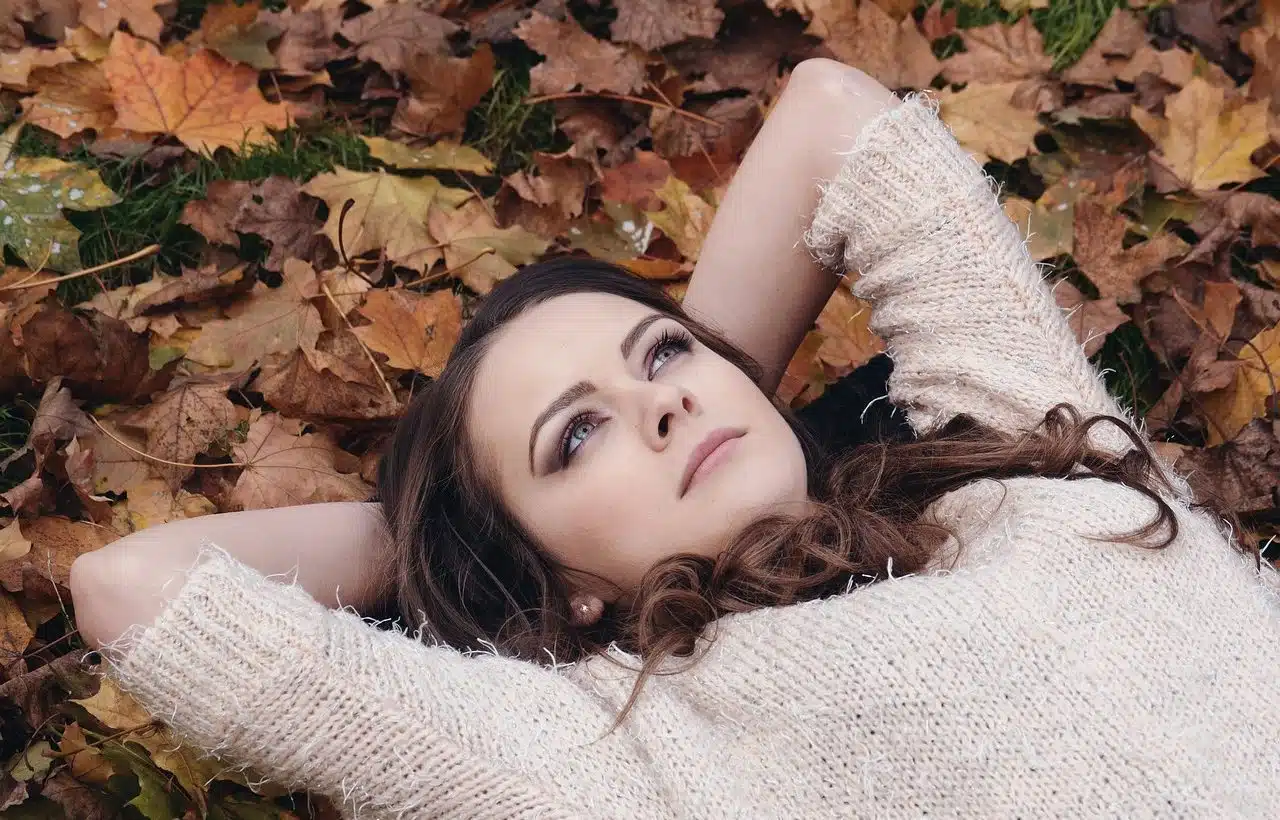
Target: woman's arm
{"x": 755, "y": 280}
{"x": 338, "y": 549}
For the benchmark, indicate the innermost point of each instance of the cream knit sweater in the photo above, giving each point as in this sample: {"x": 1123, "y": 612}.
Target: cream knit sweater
{"x": 1044, "y": 675}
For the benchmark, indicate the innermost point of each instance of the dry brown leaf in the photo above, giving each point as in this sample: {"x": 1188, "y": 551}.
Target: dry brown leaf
{"x": 1047, "y": 226}
{"x": 685, "y": 219}
{"x": 1228, "y": 214}
{"x": 287, "y": 467}
{"x": 69, "y": 99}
{"x": 635, "y": 182}
{"x": 285, "y": 217}
{"x": 1206, "y": 138}
{"x": 999, "y": 54}
{"x": 847, "y": 339}
{"x": 183, "y": 422}
{"x": 103, "y": 17}
{"x": 865, "y": 36}
{"x": 414, "y": 332}
{"x": 307, "y": 40}
{"x": 98, "y": 463}
{"x": 576, "y": 58}
{"x": 1121, "y": 36}
{"x": 545, "y": 202}
{"x": 1242, "y": 473}
{"x": 440, "y": 156}
{"x": 215, "y": 215}
{"x": 1256, "y": 384}
{"x": 270, "y": 320}
{"x": 987, "y": 123}
{"x": 298, "y": 388}
{"x": 469, "y": 232}
{"x": 16, "y": 66}
{"x": 1091, "y": 319}
{"x": 205, "y": 101}
{"x": 15, "y": 633}
{"x": 390, "y": 213}
{"x": 443, "y": 89}
{"x": 393, "y": 35}
{"x": 153, "y": 502}
{"x": 653, "y": 24}
{"x": 1101, "y": 255}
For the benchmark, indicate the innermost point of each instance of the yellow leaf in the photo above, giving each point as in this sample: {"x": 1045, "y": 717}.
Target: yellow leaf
{"x": 103, "y": 17}
{"x": 414, "y": 332}
{"x": 1206, "y": 139}
{"x": 1245, "y": 399}
{"x": 13, "y": 544}
{"x": 69, "y": 99}
{"x": 15, "y": 632}
{"x": 685, "y": 219}
{"x": 205, "y": 101}
{"x": 390, "y": 212}
{"x": 479, "y": 252}
{"x": 16, "y": 66}
{"x": 847, "y": 339}
{"x": 987, "y": 123}
{"x": 449, "y": 156}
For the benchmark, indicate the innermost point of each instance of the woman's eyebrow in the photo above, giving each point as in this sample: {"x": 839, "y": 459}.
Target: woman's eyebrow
{"x": 568, "y": 397}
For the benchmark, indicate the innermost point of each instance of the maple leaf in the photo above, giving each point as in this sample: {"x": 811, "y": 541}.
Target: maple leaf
{"x": 547, "y": 201}
{"x": 69, "y": 99}
{"x": 1091, "y": 319}
{"x": 390, "y": 213}
{"x": 443, "y": 89}
{"x": 847, "y": 339}
{"x": 469, "y": 233}
{"x": 685, "y": 220}
{"x": 214, "y": 215}
{"x": 287, "y": 466}
{"x": 998, "y": 53}
{"x": 1121, "y": 36}
{"x": 414, "y": 332}
{"x": 205, "y": 101}
{"x": 34, "y": 191}
{"x": 987, "y": 123}
{"x": 1206, "y": 139}
{"x": 392, "y": 35}
{"x": 575, "y": 58}
{"x": 16, "y": 66}
{"x": 153, "y": 502}
{"x": 307, "y": 39}
{"x": 184, "y": 422}
{"x": 279, "y": 212}
{"x": 440, "y": 156}
{"x": 1251, "y": 391}
{"x": 1101, "y": 255}
{"x": 865, "y": 36}
{"x": 652, "y": 24}
{"x": 1047, "y": 227}
{"x": 103, "y": 17}
{"x": 298, "y": 388}
{"x": 271, "y": 320}
{"x": 236, "y": 33}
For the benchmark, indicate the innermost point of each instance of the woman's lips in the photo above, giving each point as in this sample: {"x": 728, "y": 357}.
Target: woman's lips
{"x": 710, "y": 453}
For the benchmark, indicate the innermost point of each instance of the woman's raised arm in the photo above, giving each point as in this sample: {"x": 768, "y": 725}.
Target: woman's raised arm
{"x": 755, "y": 280}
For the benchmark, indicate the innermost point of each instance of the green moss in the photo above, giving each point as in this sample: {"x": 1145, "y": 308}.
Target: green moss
{"x": 503, "y": 126}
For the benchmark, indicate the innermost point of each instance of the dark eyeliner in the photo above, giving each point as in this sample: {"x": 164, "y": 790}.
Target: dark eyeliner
{"x": 567, "y": 434}
{"x": 679, "y": 340}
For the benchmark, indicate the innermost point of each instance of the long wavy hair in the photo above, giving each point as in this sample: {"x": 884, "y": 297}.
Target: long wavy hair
{"x": 472, "y": 577}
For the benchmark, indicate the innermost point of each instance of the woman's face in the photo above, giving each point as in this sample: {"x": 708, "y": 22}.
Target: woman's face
{"x": 590, "y": 410}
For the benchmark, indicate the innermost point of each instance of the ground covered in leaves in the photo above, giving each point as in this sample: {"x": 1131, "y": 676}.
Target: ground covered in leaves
{"x": 237, "y": 236}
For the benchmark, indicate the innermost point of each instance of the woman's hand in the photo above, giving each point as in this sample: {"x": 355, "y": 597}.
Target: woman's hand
{"x": 755, "y": 280}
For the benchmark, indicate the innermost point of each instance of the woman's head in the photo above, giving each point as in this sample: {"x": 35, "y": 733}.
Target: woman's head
{"x": 552, "y": 458}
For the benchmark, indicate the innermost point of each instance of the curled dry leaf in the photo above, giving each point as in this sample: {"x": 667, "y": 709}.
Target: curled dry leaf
{"x": 1251, "y": 394}
{"x": 307, "y": 39}
{"x": 442, "y": 90}
{"x": 392, "y": 36}
{"x": 1091, "y": 319}
{"x": 1243, "y": 473}
{"x": 214, "y": 215}
{"x": 16, "y": 66}
{"x": 296, "y": 387}
{"x": 1121, "y": 36}
{"x": 183, "y": 422}
{"x": 987, "y": 122}
{"x": 390, "y": 213}
{"x": 414, "y": 332}
{"x": 576, "y": 58}
{"x": 287, "y": 466}
{"x": 279, "y": 212}
{"x": 204, "y": 101}
{"x": 685, "y": 219}
{"x": 865, "y": 36}
{"x": 652, "y": 24}
{"x": 999, "y": 54}
{"x": 469, "y": 233}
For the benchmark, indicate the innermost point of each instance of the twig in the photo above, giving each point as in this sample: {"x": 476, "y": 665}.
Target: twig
{"x": 150, "y": 457}
{"x": 569, "y": 95}
{"x": 431, "y": 277}
{"x": 363, "y": 346}
{"x": 124, "y": 260}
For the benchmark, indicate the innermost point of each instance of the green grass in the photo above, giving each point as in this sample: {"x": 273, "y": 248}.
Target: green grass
{"x": 503, "y": 127}
{"x": 1068, "y": 26}
{"x": 15, "y": 424}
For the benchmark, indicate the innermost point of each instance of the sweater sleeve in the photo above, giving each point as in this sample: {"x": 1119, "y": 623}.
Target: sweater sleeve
{"x": 971, "y": 326}
{"x": 266, "y": 678}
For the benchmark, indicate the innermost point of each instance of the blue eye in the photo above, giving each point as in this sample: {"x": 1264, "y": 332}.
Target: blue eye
{"x": 669, "y": 345}
{"x": 576, "y": 433}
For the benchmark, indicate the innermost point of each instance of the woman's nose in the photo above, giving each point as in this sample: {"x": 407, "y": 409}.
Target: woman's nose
{"x": 668, "y": 407}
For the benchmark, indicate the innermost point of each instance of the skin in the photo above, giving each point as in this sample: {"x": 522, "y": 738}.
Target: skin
{"x": 615, "y": 509}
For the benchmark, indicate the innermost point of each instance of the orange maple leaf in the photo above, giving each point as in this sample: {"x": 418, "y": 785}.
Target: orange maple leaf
{"x": 205, "y": 101}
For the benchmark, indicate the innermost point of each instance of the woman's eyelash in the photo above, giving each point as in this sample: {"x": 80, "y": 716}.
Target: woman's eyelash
{"x": 567, "y": 436}
{"x": 679, "y": 340}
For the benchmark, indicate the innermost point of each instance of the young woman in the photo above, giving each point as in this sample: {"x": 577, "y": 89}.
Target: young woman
{"x": 638, "y": 589}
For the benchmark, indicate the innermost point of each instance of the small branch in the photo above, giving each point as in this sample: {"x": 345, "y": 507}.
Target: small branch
{"x": 363, "y": 346}
{"x": 124, "y": 260}
{"x": 570, "y": 95}
{"x": 150, "y": 457}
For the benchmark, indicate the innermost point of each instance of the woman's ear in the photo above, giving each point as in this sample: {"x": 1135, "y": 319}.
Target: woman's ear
{"x": 585, "y": 610}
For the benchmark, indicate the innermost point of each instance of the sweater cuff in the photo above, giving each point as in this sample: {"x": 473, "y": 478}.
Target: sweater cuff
{"x": 904, "y": 172}
{"x": 217, "y": 650}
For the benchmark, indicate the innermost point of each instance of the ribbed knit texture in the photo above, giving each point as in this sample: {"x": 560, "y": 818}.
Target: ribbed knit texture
{"x": 1044, "y": 675}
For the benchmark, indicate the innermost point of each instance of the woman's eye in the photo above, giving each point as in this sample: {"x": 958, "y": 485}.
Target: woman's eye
{"x": 577, "y": 433}
{"x": 666, "y": 349}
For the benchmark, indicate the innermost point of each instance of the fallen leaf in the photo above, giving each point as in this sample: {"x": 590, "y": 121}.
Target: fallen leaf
{"x": 69, "y": 99}
{"x": 307, "y": 40}
{"x": 414, "y": 332}
{"x": 279, "y": 212}
{"x": 1047, "y": 227}
{"x": 204, "y": 101}
{"x": 443, "y": 89}
{"x": 1121, "y": 36}
{"x": 105, "y": 465}
{"x": 15, "y": 632}
{"x": 1242, "y": 473}
{"x": 685, "y": 220}
{"x": 469, "y": 232}
{"x": 287, "y": 467}
{"x": 103, "y": 17}
{"x": 440, "y": 156}
{"x": 271, "y": 320}
{"x": 13, "y": 544}
{"x": 635, "y": 182}
{"x": 88, "y": 44}
{"x": 653, "y": 24}
{"x": 999, "y": 54}
{"x": 296, "y": 387}
{"x": 847, "y": 339}
{"x": 576, "y": 58}
{"x": 1101, "y": 255}
{"x": 184, "y": 422}
{"x": 213, "y": 216}
{"x": 937, "y": 23}
{"x": 1248, "y": 396}
{"x": 155, "y": 502}
{"x": 16, "y": 66}
{"x": 34, "y": 191}
{"x": 865, "y": 36}
{"x": 987, "y": 123}
{"x": 235, "y": 32}
{"x": 390, "y": 213}
{"x": 393, "y": 35}
{"x": 1091, "y": 319}
{"x": 1228, "y": 214}
{"x": 1206, "y": 139}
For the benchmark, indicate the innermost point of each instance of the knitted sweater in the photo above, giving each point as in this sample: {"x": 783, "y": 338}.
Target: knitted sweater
{"x": 1034, "y": 673}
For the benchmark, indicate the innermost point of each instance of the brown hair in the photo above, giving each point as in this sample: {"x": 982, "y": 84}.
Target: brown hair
{"x": 472, "y": 577}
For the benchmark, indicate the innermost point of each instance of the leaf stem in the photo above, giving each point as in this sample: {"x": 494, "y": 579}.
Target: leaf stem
{"x": 124, "y": 260}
